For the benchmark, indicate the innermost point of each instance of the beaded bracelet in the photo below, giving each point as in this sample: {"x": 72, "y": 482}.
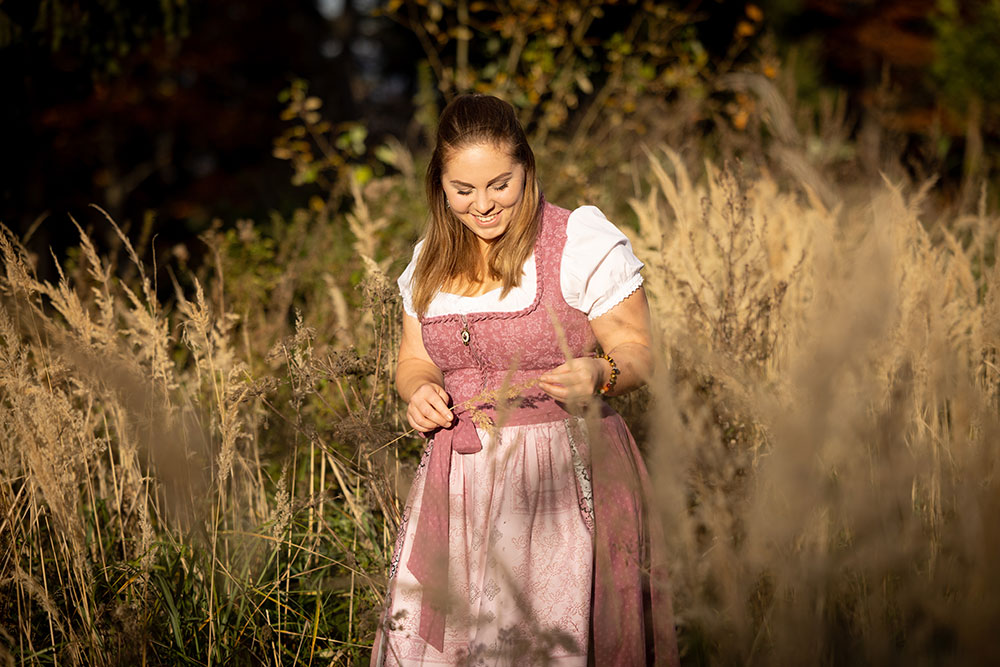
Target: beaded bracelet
{"x": 614, "y": 373}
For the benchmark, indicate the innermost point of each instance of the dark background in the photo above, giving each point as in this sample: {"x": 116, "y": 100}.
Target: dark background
{"x": 175, "y": 128}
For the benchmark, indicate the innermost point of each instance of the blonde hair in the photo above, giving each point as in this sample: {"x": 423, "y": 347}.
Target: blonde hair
{"x": 450, "y": 255}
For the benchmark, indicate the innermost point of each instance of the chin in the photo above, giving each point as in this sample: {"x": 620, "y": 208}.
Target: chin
{"x": 493, "y": 234}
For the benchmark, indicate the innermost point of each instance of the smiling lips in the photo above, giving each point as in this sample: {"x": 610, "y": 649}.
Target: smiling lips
{"x": 486, "y": 220}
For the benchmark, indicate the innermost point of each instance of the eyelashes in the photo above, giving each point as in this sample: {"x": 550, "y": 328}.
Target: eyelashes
{"x": 498, "y": 188}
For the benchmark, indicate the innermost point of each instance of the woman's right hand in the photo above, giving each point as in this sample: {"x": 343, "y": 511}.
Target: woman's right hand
{"x": 428, "y": 408}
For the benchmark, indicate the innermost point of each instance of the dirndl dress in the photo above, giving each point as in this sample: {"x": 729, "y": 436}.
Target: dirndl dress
{"x": 525, "y": 538}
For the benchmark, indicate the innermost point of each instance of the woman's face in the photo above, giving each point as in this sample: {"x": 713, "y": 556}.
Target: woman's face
{"x": 484, "y": 185}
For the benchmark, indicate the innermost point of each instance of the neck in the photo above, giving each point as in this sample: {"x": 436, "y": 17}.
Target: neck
{"x": 484, "y": 249}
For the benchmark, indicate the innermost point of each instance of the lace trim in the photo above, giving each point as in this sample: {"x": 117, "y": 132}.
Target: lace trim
{"x": 624, "y": 291}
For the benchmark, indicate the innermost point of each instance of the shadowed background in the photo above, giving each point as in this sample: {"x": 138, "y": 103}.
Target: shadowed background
{"x": 169, "y": 110}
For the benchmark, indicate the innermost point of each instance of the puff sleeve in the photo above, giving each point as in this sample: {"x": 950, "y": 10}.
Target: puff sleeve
{"x": 405, "y": 282}
{"x": 599, "y": 269}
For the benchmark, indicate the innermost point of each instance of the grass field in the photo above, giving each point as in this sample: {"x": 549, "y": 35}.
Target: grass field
{"x": 215, "y": 476}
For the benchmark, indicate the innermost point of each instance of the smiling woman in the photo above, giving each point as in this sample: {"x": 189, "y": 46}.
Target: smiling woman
{"x": 524, "y": 539}
{"x": 479, "y": 145}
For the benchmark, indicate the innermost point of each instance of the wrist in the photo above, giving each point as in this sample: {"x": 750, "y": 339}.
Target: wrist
{"x": 410, "y": 390}
{"x": 608, "y": 378}
{"x": 603, "y": 373}
{"x": 412, "y": 374}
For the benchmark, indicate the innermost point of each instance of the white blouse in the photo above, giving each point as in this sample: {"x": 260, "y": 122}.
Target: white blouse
{"x": 597, "y": 272}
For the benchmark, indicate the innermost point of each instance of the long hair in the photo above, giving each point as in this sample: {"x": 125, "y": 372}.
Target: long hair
{"x": 450, "y": 256}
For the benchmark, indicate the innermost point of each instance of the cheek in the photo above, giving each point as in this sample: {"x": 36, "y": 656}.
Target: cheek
{"x": 460, "y": 203}
{"x": 511, "y": 196}
{"x": 508, "y": 199}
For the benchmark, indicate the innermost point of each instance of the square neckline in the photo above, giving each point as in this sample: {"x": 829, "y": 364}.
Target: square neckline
{"x": 543, "y": 228}
{"x": 496, "y": 289}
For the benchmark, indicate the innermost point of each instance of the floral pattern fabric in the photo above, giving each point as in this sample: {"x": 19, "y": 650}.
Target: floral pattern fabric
{"x": 524, "y": 538}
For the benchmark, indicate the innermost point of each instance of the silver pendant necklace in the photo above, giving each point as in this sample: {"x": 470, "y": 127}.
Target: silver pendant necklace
{"x": 466, "y": 336}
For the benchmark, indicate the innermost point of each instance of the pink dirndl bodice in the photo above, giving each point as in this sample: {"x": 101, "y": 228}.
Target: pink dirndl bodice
{"x": 539, "y": 534}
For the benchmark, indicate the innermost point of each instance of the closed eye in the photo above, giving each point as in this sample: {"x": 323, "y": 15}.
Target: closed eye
{"x": 464, "y": 192}
{"x": 503, "y": 186}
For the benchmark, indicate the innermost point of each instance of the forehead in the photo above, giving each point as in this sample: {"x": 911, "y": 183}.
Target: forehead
{"x": 476, "y": 158}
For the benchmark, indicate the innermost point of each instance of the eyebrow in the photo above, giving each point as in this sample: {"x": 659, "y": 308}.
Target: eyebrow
{"x": 506, "y": 174}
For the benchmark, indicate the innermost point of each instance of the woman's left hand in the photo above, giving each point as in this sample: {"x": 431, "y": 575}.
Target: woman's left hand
{"x": 576, "y": 379}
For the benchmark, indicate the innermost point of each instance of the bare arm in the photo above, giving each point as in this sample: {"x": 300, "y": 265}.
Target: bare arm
{"x": 420, "y": 382}
{"x": 624, "y": 333}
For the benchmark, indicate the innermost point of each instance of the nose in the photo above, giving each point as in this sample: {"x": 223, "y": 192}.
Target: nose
{"x": 483, "y": 202}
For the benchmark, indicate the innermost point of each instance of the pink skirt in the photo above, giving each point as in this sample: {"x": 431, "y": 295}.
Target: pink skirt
{"x": 521, "y": 586}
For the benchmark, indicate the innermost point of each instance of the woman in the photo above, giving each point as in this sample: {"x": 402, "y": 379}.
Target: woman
{"x": 523, "y": 539}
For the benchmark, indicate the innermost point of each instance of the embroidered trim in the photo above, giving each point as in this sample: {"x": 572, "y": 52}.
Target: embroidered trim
{"x": 397, "y": 550}
{"x": 585, "y": 488}
{"x": 625, "y": 291}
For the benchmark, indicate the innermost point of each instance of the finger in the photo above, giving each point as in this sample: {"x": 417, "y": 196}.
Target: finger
{"x": 441, "y": 406}
{"x": 576, "y": 386}
{"x": 438, "y": 412}
{"x": 416, "y": 420}
{"x": 559, "y": 370}
{"x": 425, "y": 424}
{"x": 437, "y": 400}
{"x": 433, "y": 413}
{"x": 418, "y": 425}
{"x": 571, "y": 381}
{"x": 429, "y": 410}
{"x": 553, "y": 377}
{"x": 556, "y": 391}
{"x": 422, "y": 415}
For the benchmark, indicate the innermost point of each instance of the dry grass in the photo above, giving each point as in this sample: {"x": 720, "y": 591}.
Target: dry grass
{"x": 206, "y": 481}
{"x": 827, "y": 422}
{"x": 177, "y": 486}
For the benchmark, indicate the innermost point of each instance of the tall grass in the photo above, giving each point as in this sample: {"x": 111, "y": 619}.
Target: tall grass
{"x": 218, "y": 478}
{"x": 185, "y": 483}
{"x": 827, "y": 424}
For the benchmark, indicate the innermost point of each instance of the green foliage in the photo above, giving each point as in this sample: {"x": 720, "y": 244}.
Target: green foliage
{"x": 967, "y": 59}
{"x": 776, "y": 444}
{"x": 966, "y": 71}
{"x": 551, "y": 58}
{"x": 283, "y": 365}
{"x": 330, "y": 157}
{"x": 592, "y": 81}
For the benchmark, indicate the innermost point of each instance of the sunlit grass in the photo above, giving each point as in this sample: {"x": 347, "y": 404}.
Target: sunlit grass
{"x": 207, "y": 480}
